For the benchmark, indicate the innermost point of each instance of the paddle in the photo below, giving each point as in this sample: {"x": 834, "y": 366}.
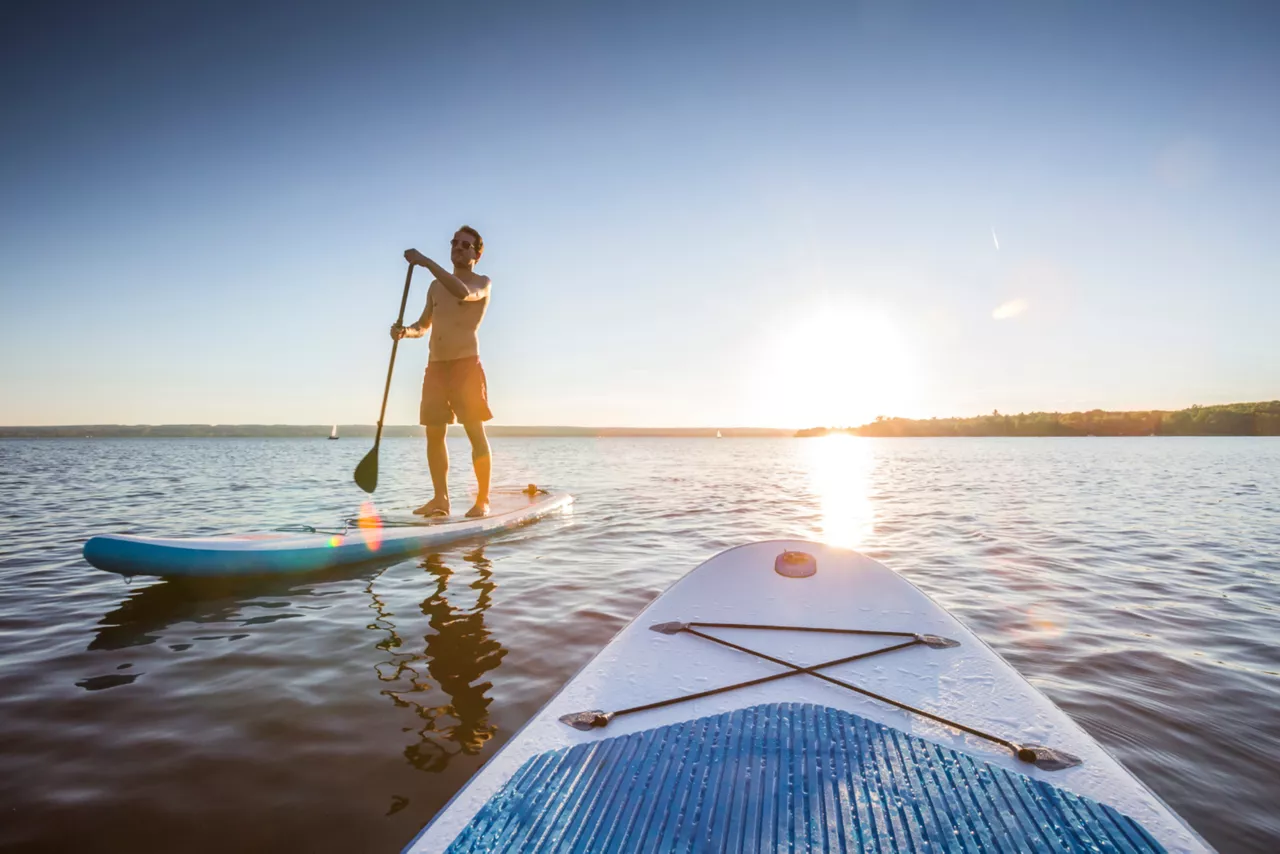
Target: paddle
{"x": 367, "y": 471}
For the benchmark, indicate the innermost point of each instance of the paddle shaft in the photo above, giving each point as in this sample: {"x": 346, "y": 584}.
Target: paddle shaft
{"x": 404, "y": 298}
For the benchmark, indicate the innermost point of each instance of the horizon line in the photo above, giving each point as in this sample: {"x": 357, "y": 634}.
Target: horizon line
{"x": 357, "y": 426}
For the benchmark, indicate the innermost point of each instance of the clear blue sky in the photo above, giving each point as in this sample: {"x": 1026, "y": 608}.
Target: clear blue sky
{"x": 771, "y": 214}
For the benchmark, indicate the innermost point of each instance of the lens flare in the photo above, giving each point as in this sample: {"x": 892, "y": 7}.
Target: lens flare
{"x": 1012, "y": 308}
{"x": 370, "y": 525}
{"x": 1044, "y": 623}
{"x": 1040, "y": 626}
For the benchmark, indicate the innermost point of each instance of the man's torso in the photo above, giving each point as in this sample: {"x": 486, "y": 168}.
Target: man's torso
{"x": 455, "y": 323}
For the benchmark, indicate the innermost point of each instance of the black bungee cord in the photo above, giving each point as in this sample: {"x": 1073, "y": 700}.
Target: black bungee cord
{"x": 1045, "y": 758}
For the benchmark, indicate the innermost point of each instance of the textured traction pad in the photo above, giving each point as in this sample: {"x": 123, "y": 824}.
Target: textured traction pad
{"x": 785, "y": 777}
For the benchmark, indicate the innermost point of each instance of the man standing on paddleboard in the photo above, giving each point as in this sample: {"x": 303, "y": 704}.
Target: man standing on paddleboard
{"x": 454, "y": 384}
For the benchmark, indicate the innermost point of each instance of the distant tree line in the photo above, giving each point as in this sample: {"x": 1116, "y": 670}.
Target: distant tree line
{"x": 1232, "y": 419}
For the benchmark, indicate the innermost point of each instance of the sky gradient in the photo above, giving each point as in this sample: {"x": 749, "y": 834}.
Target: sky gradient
{"x": 694, "y": 215}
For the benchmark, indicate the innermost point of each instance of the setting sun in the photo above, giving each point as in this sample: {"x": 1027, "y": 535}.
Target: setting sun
{"x": 834, "y": 367}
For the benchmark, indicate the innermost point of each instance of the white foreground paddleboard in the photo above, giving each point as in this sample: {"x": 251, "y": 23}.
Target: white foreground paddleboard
{"x": 309, "y": 550}
{"x": 797, "y": 763}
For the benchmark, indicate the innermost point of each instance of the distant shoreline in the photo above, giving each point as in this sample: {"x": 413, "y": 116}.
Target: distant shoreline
{"x": 1232, "y": 419}
{"x": 359, "y": 431}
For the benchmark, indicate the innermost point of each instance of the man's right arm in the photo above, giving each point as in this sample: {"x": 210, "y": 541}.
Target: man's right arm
{"x": 418, "y": 328}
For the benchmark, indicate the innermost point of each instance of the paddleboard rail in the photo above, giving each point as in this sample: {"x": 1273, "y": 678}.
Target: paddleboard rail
{"x": 296, "y": 549}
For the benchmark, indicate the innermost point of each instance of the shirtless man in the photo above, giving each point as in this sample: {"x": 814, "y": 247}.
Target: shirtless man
{"x": 454, "y": 384}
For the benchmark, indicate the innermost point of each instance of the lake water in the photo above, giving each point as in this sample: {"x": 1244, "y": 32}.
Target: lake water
{"x": 1135, "y": 581}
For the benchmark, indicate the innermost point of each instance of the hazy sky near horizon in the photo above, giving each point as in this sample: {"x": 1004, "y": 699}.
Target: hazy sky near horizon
{"x": 695, "y": 214}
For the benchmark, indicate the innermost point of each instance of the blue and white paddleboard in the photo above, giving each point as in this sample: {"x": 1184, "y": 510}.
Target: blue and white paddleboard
{"x": 795, "y": 762}
{"x": 309, "y": 550}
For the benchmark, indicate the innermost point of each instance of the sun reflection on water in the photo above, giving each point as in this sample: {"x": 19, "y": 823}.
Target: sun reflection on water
{"x": 840, "y": 468}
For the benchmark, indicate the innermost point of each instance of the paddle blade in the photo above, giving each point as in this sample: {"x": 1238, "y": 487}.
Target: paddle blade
{"x": 367, "y": 471}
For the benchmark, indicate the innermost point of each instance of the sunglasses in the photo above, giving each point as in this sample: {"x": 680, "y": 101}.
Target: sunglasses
{"x": 461, "y": 244}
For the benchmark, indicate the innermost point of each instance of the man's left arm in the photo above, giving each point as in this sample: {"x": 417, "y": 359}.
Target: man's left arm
{"x": 451, "y": 283}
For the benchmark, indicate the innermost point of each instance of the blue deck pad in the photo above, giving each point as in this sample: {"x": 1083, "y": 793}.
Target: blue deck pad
{"x": 785, "y": 777}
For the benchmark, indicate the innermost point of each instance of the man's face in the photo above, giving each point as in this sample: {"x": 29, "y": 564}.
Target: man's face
{"x": 463, "y": 248}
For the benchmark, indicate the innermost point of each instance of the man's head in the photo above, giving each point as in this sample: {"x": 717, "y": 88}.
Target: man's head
{"x": 466, "y": 247}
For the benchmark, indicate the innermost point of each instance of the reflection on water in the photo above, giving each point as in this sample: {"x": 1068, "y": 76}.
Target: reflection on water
{"x": 840, "y": 469}
{"x": 150, "y": 611}
{"x": 456, "y": 654}
{"x": 451, "y": 658}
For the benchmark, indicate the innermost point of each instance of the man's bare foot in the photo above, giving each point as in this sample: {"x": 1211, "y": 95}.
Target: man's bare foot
{"x": 435, "y": 507}
{"x": 481, "y": 508}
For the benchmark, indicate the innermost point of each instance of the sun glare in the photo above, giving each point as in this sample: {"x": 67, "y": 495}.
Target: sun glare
{"x": 834, "y": 368}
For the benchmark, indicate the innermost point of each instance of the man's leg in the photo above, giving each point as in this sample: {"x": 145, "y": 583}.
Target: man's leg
{"x": 435, "y": 414}
{"x": 438, "y": 462}
{"x": 480, "y": 459}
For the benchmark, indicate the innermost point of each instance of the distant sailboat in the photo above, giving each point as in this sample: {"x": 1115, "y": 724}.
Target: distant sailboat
{"x": 333, "y": 434}
{"x": 718, "y": 436}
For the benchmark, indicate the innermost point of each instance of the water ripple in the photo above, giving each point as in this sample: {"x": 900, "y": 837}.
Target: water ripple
{"x": 1136, "y": 581}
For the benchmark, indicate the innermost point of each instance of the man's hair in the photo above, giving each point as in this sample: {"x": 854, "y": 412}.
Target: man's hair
{"x": 479, "y": 240}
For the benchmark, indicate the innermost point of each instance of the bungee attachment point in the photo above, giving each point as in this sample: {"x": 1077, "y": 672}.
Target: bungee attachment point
{"x": 1046, "y": 758}
{"x": 588, "y": 720}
